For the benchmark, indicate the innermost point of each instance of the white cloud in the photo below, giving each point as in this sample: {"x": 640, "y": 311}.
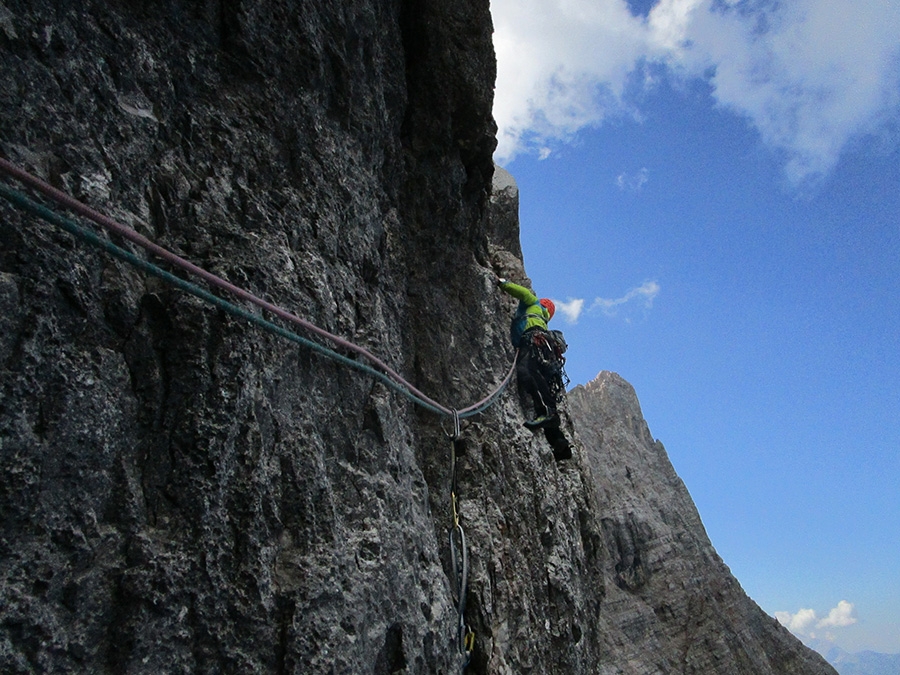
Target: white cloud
{"x": 799, "y": 623}
{"x": 561, "y": 65}
{"x": 839, "y": 616}
{"x": 641, "y": 296}
{"x": 805, "y": 621}
{"x": 808, "y": 74}
{"x": 570, "y": 309}
{"x": 644, "y": 294}
{"x": 633, "y": 182}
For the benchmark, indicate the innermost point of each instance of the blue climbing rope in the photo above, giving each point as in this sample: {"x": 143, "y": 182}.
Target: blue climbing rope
{"x": 457, "y": 538}
{"x": 93, "y": 239}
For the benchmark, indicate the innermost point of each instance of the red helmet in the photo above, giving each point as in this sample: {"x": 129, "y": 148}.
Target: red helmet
{"x": 547, "y": 304}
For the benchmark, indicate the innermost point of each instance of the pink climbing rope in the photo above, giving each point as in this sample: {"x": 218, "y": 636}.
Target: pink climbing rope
{"x": 131, "y": 235}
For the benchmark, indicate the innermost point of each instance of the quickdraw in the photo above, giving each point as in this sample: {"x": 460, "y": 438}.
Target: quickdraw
{"x": 459, "y": 555}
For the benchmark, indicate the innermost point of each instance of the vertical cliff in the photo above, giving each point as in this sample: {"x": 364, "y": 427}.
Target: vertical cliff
{"x": 669, "y": 594}
{"x": 183, "y": 492}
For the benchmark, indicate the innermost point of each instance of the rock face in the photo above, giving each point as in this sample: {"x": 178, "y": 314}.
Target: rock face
{"x": 672, "y": 604}
{"x": 182, "y": 492}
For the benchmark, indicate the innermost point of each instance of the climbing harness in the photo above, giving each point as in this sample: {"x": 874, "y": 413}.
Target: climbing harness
{"x": 376, "y": 367}
{"x": 548, "y": 350}
{"x": 459, "y": 555}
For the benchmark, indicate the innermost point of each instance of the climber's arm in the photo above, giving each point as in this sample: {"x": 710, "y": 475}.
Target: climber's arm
{"x": 518, "y": 292}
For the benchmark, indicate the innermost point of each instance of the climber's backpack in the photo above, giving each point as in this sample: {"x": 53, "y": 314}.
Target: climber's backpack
{"x": 517, "y": 327}
{"x": 559, "y": 341}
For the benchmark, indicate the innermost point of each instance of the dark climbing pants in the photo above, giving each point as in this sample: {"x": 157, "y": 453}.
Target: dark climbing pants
{"x": 534, "y": 377}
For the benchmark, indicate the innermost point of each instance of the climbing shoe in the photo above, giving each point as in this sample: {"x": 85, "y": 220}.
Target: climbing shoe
{"x": 542, "y": 422}
{"x": 562, "y": 449}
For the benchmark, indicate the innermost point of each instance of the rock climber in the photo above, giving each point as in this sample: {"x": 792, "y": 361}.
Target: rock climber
{"x": 538, "y": 368}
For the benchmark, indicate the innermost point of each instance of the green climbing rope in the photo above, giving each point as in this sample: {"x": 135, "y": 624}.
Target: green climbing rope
{"x": 88, "y": 236}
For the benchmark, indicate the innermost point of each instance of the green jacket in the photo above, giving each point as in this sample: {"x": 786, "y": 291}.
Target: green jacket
{"x": 529, "y": 314}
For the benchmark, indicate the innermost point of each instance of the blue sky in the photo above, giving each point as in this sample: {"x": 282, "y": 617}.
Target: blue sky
{"x": 710, "y": 189}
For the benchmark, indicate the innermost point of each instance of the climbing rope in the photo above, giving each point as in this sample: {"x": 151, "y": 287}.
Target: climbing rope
{"x": 459, "y": 556}
{"x": 378, "y": 369}
{"x": 458, "y": 546}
